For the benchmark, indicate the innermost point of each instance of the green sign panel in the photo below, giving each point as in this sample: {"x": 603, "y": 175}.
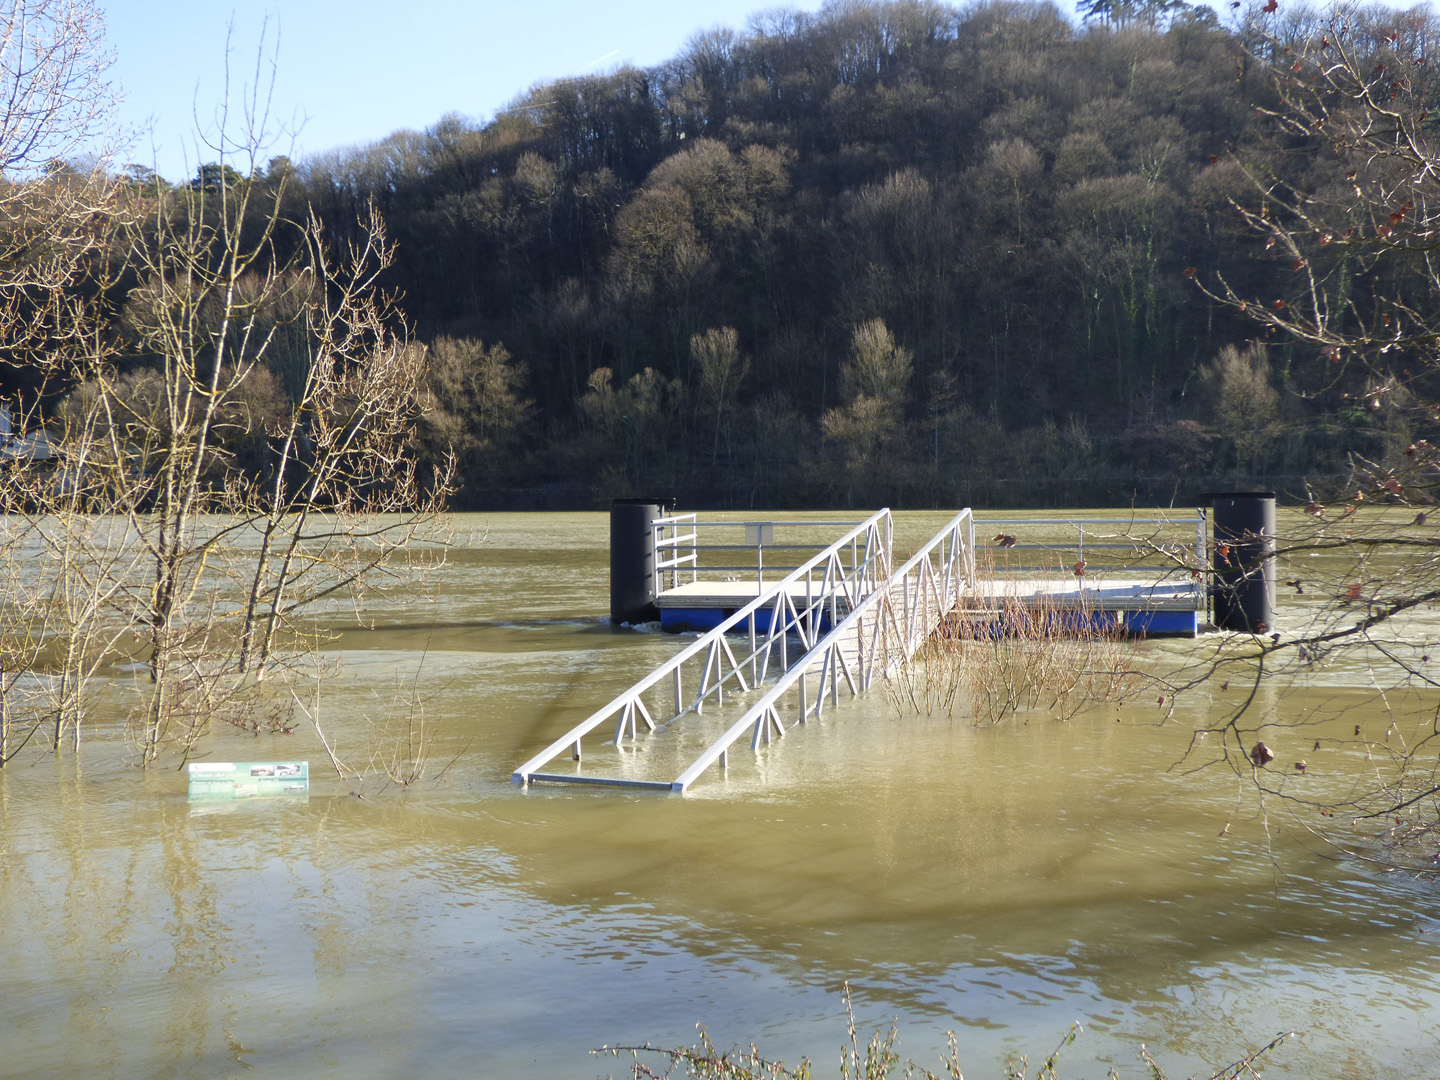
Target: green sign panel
{"x": 248, "y": 779}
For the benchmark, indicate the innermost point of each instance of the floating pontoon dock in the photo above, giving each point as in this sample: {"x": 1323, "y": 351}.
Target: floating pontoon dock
{"x": 1138, "y": 575}
{"x": 782, "y": 640}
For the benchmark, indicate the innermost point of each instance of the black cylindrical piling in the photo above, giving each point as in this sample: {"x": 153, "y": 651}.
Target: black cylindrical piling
{"x": 632, "y": 560}
{"x": 1243, "y": 557}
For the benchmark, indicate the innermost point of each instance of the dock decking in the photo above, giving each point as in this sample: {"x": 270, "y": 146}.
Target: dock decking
{"x": 703, "y": 605}
{"x": 1145, "y": 607}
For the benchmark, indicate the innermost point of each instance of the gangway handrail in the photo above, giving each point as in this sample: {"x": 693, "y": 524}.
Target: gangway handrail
{"x": 819, "y": 523}
{"x": 960, "y": 531}
{"x": 771, "y": 595}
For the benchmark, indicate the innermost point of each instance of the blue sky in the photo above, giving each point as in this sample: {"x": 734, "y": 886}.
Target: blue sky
{"x": 354, "y": 71}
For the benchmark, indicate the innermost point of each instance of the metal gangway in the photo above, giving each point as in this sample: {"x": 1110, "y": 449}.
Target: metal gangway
{"x": 851, "y": 617}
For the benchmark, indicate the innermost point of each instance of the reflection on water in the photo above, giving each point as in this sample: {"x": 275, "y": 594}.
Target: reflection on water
{"x": 1002, "y": 882}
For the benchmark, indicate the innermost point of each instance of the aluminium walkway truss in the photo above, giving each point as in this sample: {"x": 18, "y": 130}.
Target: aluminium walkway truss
{"x": 845, "y": 612}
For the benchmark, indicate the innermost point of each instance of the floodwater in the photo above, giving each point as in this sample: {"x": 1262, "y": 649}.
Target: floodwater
{"x": 1001, "y": 882}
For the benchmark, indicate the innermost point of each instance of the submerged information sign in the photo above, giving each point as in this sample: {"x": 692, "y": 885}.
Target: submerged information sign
{"x": 248, "y": 779}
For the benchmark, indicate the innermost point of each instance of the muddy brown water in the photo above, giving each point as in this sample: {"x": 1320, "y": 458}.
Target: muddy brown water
{"x": 1001, "y": 882}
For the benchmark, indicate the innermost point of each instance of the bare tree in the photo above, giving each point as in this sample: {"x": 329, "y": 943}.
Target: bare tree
{"x": 56, "y": 225}
{"x": 235, "y": 559}
{"x": 475, "y": 407}
{"x": 720, "y": 369}
{"x": 55, "y": 96}
{"x": 869, "y": 427}
{"x": 233, "y": 458}
{"x": 55, "y": 100}
{"x": 1243, "y": 402}
{"x": 1358, "y": 229}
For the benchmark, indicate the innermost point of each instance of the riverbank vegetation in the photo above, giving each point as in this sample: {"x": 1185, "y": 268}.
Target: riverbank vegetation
{"x": 1019, "y": 655}
{"x": 877, "y": 1058}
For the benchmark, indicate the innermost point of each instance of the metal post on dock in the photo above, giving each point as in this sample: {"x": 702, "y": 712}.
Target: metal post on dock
{"x": 632, "y": 559}
{"x": 1243, "y": 554}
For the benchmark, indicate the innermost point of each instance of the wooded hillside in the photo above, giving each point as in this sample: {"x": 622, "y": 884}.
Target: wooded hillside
{"x": 890, "y": 252}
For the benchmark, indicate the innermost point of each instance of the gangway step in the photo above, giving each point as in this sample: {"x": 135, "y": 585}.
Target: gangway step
{"x": 601, "y": 781}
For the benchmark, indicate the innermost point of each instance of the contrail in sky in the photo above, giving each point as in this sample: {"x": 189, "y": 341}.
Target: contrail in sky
{"x": 597, "y": 63}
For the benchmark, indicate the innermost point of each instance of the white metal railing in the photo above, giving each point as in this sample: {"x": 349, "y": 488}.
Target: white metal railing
{"x": 878, "y": 635}
{"x": 680, "y": 553}
{"x": 670, "y": 536}
{"x": 1124, "y": 545}
{"x": 819, "y": 592}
